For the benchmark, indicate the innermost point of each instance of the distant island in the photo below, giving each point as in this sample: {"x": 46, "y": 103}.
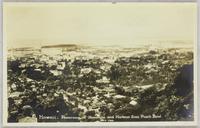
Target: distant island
{"x": 61, "y": 46}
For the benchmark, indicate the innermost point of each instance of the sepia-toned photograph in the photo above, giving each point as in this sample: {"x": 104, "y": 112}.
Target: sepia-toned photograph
{"x": 99, "y": 62}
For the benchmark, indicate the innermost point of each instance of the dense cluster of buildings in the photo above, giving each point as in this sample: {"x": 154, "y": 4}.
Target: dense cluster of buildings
{"x": 89, "y": 85}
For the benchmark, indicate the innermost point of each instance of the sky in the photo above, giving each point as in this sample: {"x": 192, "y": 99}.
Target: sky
{"x": 123, "y": 24}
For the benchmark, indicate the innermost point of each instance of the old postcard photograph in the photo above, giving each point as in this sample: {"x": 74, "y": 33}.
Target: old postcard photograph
{"x": 104, "y": 63}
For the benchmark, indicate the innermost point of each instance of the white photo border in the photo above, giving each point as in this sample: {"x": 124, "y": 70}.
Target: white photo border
{"x": 3, "y": 78}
